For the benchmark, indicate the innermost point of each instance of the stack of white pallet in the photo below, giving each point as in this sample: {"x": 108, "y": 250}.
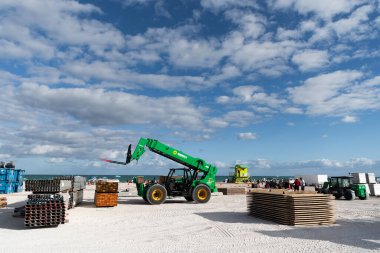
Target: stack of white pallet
{"x": 369, "y": 180}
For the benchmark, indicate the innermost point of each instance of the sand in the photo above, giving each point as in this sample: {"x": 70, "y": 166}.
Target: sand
{"x": 221, "y": 225}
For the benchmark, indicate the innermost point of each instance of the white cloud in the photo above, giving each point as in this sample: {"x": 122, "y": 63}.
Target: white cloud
{"x": 135, "y": 2}
{"x": 251, "y": 94}
{"x": 99, "y": 107}
{"x": 311, "y": 59}
{"x": 293, "y": 110}
{"x": 56, "y": 160}
{"x": 247, "y": 136}
{"x": 252, "y": 25}
{"x": 195, "y": 53}
{"x": 262, "y": 55}
{"x": 46, "y": 149}
{"x": 218, "y": 5}
{"x": 322, "y": 8}
{"x": 336, "y": 93}
{"x": 349, "y": 119}
{"x": 57, "y": 23}
{"x": 233, "y": 118}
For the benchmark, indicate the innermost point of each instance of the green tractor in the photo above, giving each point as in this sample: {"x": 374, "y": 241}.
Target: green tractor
{"x": 342, "y": 186}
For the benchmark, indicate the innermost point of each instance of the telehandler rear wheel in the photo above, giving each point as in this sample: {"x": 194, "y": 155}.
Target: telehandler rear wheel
{"x": 156, "y": 194}
{"x": 201, "y": 194}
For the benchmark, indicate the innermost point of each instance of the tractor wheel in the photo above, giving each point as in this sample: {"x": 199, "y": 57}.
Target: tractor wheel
{"x": 337, "y": 196}
{"x": 156, "y": 194}
{"x": 365, "y": 197}
{"x": 201, "y": 194}
{"x": 144, "y": 198}
{"x": 189, "y": 198}
{"x": 349, "y": 195}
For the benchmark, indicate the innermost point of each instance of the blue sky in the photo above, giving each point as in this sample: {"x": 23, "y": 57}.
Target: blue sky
{"x": 286, "y": 86}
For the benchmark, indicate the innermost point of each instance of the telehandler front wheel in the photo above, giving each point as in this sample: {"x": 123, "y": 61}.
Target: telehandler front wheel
{"x": 156, "y": 194}
{"x": 201, "y": 194}
{"x": 349, "y": 195}
{"x": 189, "y": 198}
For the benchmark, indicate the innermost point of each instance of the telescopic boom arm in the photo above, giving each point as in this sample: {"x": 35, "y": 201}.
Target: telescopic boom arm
{"x": 168, "y": 152}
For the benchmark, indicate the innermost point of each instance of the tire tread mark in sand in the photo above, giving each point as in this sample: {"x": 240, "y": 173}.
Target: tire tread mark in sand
{"x": 223, "y": 232}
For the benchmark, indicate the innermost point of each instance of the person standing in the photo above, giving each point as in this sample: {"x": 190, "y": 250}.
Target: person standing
{"x": 297, "y": 185}
{"x": 303, "y": 184}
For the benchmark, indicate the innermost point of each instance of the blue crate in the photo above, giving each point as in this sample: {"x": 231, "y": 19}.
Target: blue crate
{"x": 12, "y": 175}
{"x": 6, "y": 188}
{"x": 17, "y": 187}
{"x": 20, "y": 175}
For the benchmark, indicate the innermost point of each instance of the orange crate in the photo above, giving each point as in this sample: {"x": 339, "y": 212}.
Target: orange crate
{"x": 105, "y": 199}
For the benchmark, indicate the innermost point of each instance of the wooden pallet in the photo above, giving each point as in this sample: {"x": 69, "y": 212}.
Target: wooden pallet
{"x": 3, "y": 202}
{"x": 105, "y": 199}
{"x": 232, "y": 190}
{"x": 107, "y": 186}
{"x": 291, "y": 208}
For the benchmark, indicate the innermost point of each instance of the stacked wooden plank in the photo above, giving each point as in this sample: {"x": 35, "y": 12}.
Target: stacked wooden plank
{"x": 232, "y": 190}
{"x": 45, "y": 210}
{"x": 291, "y": 208}
{"x": 3, "y": 202}
{"x": 106, "y": 193}
{"x": 107, "y": 186}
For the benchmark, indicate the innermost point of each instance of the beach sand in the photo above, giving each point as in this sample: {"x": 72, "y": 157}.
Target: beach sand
{"x": 221, "y": 225}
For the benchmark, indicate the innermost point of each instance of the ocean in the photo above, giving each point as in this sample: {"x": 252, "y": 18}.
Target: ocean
{"x": 126, "y": 178}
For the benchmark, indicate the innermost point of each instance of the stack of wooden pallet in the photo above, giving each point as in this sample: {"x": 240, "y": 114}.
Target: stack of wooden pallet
{"x": 232, "y": 190}
{"x": 291, "y": 208}
{"x": 3, "y": 202}
{"x": 106, "y": 193}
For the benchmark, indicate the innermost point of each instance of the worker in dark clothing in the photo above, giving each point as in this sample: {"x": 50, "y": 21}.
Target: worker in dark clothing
{"x": 297, "y": 184}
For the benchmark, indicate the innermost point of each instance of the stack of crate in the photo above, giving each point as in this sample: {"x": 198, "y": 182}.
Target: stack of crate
{"x": 11, "y": 179}
{"x": 106, "y": 193}
{"x": 374, "y": 187}
{"x": 369, "y": 180}
{"x": 3, "y": 202}
{"x": 45, "y": 210}
{"x": 290, "y": 208}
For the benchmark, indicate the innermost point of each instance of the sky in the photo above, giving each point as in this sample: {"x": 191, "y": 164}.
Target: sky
{"x": 288, "y": 87}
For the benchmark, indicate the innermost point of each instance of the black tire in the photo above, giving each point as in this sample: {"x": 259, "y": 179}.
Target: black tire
{"x": 156, "y": 194}
{"x": 337, "y": 196}
{"x": 144, "y": 198}
{"x": 365, "y": 197}
{"x": 189, "y": 198}
{"x": 349, "y": 195}
{"x": 201, "y": 194}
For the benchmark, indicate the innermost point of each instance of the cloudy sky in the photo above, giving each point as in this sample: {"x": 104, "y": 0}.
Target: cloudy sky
{"x": 287, "y": 86}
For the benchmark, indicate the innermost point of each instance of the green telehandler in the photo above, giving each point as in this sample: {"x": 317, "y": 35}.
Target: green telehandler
{"x": 343, "y": 186}
{"x": 195, "y": 182}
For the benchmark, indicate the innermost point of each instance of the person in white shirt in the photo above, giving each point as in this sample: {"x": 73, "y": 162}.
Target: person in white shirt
{"x": 302, "y": 184}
